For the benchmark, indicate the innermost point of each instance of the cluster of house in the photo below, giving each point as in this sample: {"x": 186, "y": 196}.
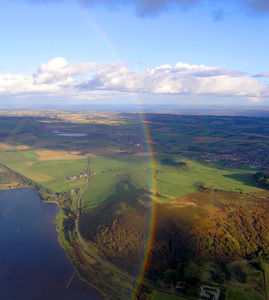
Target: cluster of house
{"x": 75, "y": 177}
{"x": 127, "y": 138}
{"x": 236, "y": 159}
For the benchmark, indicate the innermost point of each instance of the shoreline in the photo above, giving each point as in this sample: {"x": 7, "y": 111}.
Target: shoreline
{"x": 70, "y": 257}
{"x": 41, "y": 219}
{"x": 17, "y": 187}
{"x": 60, "y": 234}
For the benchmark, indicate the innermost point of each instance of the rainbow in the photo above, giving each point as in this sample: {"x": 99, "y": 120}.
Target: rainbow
{"x": 152, "y": 224}
{"x": 101, "y": 33}
{"x": 152, "y": 161}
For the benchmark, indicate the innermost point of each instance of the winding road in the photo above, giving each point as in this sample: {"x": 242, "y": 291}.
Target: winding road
{"x": 79, "y": 201}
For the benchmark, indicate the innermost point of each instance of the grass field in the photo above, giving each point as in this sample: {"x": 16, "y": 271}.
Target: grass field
{"x": 61, "y": 169}
{"x": 116, "y": 177}
{"x": 62, "y": 186}
{"x": 106, "y": 164}
{"x": 162, "y": 296}
{"x": 174, "y": 182}
{"x": 17, "y": 155}
{"x": 238, "y": 295}
{"x": 52, "y": 172}
{"x": 265, "y": 266}
{"x": 35, "y": 175}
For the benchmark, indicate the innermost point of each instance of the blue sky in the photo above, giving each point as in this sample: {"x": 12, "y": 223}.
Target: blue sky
{"x": 115, "y": 52}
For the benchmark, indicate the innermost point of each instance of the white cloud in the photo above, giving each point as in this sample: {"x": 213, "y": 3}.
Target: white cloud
{"x": 180, "y": 79}
{"x": 61, "y": 77}
{"x": 58, "y": 69}
{"x": 16, "y": 83}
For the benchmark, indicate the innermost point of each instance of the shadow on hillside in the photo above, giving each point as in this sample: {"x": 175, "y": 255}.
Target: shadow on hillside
{"x": 245, "y": 179}
{"x": 121, "y": 203}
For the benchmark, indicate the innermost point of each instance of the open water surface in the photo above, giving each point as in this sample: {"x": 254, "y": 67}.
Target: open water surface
{"x": 32, "y": 263}
{"x": 69, "y": 134}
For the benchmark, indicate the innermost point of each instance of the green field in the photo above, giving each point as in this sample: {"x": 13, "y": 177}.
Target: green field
{"x": 62, "y": 186}
{"x": 109, "y": 164}
{"x": 35, "y": 175}
{"x": 265, "y": 266}
{"x": 162, "y": 296}
{"x": 116, "y": 177}
{"x": 61, "y": 168}
{"x": 18, "y": 156}
{"x": 173, "y": 182}
{"x": 51, "y": 173}
{"x": 238, "y": 295}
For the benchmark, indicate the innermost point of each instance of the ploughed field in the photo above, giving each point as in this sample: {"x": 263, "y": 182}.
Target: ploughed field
{"x": 210, "y": 213}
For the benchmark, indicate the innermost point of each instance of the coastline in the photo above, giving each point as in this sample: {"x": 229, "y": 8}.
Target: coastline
{"x": 68, "y": 254}
{"x": 16, "y": 187}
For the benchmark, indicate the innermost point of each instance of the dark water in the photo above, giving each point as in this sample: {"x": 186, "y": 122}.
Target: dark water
{"x": 32, "y": 263}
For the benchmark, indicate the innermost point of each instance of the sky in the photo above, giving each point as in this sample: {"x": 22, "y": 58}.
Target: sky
{"x": 151, "y": 53}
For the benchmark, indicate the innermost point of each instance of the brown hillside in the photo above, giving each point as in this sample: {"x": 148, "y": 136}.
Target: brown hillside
{"x": 203, "y": 225}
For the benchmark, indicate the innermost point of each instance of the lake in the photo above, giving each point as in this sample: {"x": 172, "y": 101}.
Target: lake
{"x": 32, "y": 263}
{"x": 69, "y": 134}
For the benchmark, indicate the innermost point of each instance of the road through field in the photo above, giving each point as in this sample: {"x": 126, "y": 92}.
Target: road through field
{"x": 79, "y": 202}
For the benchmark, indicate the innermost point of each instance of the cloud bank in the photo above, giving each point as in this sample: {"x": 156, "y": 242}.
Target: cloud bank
{"x": 263, "y": 75}
{"x": 61, "y": 77}
{"x": 257, "y": 6}
{"x": 146, "y": 8}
